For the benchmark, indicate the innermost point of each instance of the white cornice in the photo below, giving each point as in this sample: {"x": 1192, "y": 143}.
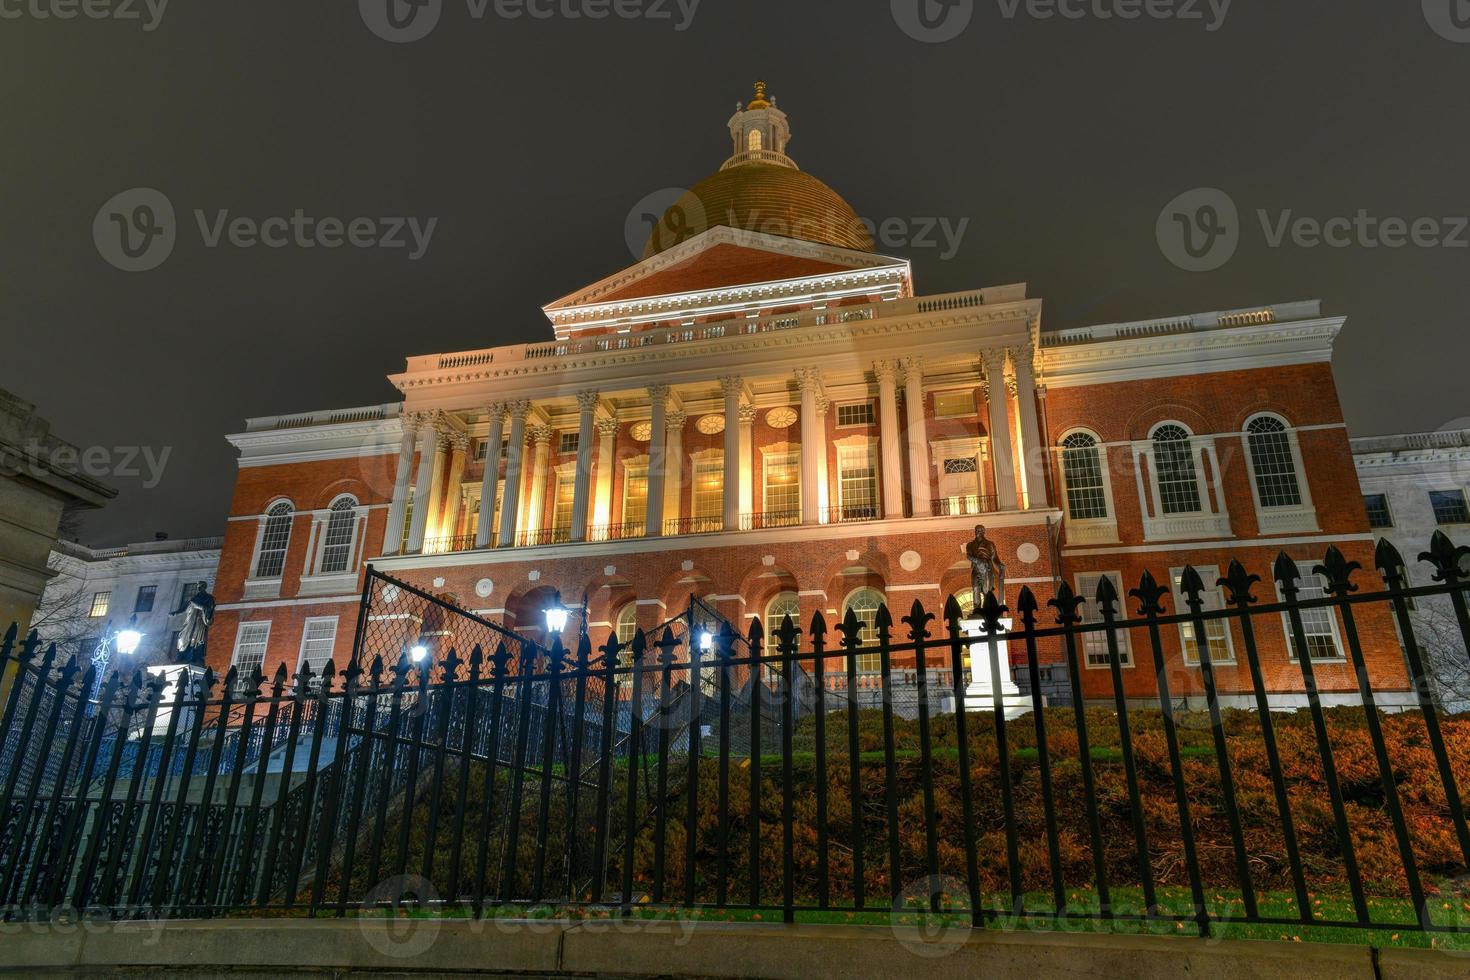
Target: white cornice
{"x": 266, "y": 448}
{"x": 719, "y": 235}
{"x": 705, "y": 542}
{"x": 1204, "y": 352}
{"x": 1007, "y": 324}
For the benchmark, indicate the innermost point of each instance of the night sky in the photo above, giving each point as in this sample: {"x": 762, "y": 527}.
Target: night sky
{"x": 531, "y": 139}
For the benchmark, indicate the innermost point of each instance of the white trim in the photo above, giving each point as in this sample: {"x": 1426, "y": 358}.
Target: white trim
{"x": 1190, "y": 648}
{"x": 1212, "y": 544}
{"x": 306, "y": 628}
{"x": 1305, "y": 570}
{"x": 282, "y": 603}
{"x": 1126, "y": 659}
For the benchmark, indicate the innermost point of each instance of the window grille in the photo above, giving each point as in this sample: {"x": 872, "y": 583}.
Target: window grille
{"x": 1177, "y": 475}
{"x": 341, "y": 528}
{"x": 1273, "y": 463}
{"x": 273, "y": 542}
{"x": 1082, "y": 471}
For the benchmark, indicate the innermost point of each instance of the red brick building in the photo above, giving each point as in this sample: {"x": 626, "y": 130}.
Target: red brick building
{"x": 765, "y": 413}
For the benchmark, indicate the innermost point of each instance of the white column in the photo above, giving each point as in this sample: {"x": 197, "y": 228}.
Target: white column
{"x": 428, "y": 437}
{"x": 747, "y": 459}
{"x": 1033, "y": 452}
{"x": 489, "y": 482}
{"x": 515, "y": 455}
{"x": 812, "y": 444}
{"x": 674, "y": 466}
{"x": 887, "y": 374}
{"x": 393, "y": 533}
{"x": 1001, "y": 454}
{"x": 920, "y": 474}
{"x": 607, "y": 433}
{"x": 658, "y": 439}
{"x": 824, "y": 483}
{"x": 436, "y": 480}
{"x": 459, "y": 449}
{"x": 587, "y": 402}
{"x": 540, "y": 474}
{"x": 733, "y": 387}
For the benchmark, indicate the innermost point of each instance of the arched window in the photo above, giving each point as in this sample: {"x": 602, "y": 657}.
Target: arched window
{"x": 1273, "y": 462}
{"x": 274, "y": 538}
{"x": 627, "y": 625}
{"x": 1082, "y": 471}
{"x": 753, "y": 140}
{"x": 864, "y": 604}
{"x": 340, "y": 533}
{"x": 783, "y": 604}
{"x": 965, "y": 598}
{"x": 1177, "y": 474}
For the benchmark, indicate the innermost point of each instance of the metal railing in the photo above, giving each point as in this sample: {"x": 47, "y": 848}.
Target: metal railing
{"x": 961, "y": 505}
{"x": 503, "y": 773}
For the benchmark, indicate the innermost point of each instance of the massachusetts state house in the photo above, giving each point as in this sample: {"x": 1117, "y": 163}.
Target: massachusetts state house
{"x": 766, "y": 413}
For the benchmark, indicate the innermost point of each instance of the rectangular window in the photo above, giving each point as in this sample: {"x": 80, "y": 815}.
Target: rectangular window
{"x": 317, "y": 640}
{"x": 562, "y": 507}
{"x": 1178, "y": 480}
{"x": 1449, "y": 507}
{"x": 250, "y": 643}
{"x": 568, "y": 442}
{"x": 1376, "y": 504}
{"x": 1095, "y": 644}
{"x": 782, "y": 496}
{"x": 87, "y": 650}
{"x": 857, "y": 483}
{"x": 1087, "y": 499}
{"x": 482, "y": 448}
{"x": 954, "y": 404}
{"x": 1217, "y": 631}
{"x": 337, "y": 541}
{"x": 1319, "y": 625}
{"x": 857, "y": 413}
{"x": 100, "y": 602}
{"x": 709, "y": 486}
{"x": 635, "y": 498}
{"x": 407, "y": 522}
{"x": 144, "y": 602}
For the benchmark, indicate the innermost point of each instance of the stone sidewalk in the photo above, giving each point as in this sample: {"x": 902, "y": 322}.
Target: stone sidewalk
{"x": 273, "y": 948}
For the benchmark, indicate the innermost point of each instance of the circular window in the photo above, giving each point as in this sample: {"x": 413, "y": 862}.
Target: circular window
{"x": 711, "y": 424}
{"x": 641, "y": 431}
{"x": 781, "y": 418}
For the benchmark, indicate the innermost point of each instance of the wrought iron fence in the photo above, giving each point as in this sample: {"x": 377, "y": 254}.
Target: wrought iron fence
{"x": 490, "y": 770}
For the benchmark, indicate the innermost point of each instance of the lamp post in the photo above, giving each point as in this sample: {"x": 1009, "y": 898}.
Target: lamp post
{"x": 125, "y": 641}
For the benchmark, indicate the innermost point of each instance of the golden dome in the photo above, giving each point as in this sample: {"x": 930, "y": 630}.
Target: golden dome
{"x": 760, "y": 101}
{"x": 766, "y": 198}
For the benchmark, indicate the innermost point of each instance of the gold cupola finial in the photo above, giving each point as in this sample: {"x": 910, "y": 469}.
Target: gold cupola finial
{"x": 760, "y": 101}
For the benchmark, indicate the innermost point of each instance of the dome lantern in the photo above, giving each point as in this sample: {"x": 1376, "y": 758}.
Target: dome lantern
{"x": 759, "y": 132}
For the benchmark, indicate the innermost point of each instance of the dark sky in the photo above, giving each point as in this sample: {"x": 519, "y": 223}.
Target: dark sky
{"x": 530, "y": 140}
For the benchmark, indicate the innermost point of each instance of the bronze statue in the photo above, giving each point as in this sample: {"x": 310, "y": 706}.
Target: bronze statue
{"x": 987, "y": 571}
{"x": 196, "y": 617}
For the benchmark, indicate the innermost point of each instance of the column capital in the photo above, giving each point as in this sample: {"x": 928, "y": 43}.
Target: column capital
{"x": 1012, "y": 385}
{"x": 460, "y": 441}
{"x": 658, "y": 393}
{"x": 518, "y": 410}
{"x": 808, "y": 378}
{"x": 823, "y": 403}
{"x": 495, "y": 410}
{"x": 677, "y": 418}
{"x": 994, "y": 357}
{"x": 732, "y": 384}
{"x": 913, "y": 368}
{"x": 541, "y": 434}
{"x": 1021, "y": 364}
{"x": 747, "y": 414}
{"x": 608, "y": 427}
{"x": 414, "y": 421}
{"x": 587, "y": 400}
{"x": 885, "y": 371}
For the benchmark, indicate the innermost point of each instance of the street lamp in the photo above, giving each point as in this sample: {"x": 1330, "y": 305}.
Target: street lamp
{"x": 127, "y": 641}
{"x": 556, "y": 616}
{"x": 706, "y": 641}
{"x": 418, "y": 652}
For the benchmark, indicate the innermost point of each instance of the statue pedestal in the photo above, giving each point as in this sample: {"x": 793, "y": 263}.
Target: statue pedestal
{"x": 980, "y": 695}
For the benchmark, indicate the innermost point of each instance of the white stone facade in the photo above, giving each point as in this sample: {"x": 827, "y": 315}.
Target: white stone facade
{"x": 73, "y": 614}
